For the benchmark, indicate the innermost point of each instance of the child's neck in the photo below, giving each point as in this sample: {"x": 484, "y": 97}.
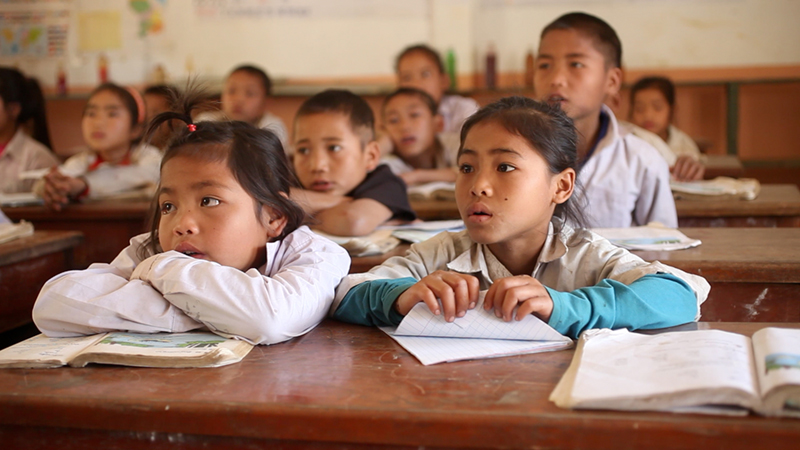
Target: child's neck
{"x": 7, "y": 133}
{"x": 588, "y": 129}
{"x": 425, "y": 159}
{"x": 115, "y": 155}
{"x": 520, "y": 258}
{"x": 664, "y": 134}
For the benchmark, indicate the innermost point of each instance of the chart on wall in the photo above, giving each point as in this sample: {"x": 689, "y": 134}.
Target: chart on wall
{"x": 256, "y": 9}
{"x": 34, "y": 29}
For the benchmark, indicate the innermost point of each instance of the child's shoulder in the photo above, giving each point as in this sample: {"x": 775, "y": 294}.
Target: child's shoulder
{"x": 451, "y": 102}
{"x": 642, "y": 140}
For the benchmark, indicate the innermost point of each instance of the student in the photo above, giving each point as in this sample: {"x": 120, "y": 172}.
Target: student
{"x": 21, "y": 101}
{"x": 158, "y": 99}
{"x": 420, "y": 66}
{"x": 114, "y": 163}
{"x": 227, "y": 250}
{"x": 517, "y": 173}
{"x": 336, "y": 159}
{"x": 412, "y": 123}
{"x": 652, "y": 108}
{"x": 245, "y": 97}
{"x": 626, "y": 182}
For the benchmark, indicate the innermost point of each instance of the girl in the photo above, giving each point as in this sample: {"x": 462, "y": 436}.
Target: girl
{"x": 114, "y": 163}
{"x": 21, "y": 101}
{"x": 516, "y": 177}
{"x": 652, "y": 108}
{"x": 227, "y": 249}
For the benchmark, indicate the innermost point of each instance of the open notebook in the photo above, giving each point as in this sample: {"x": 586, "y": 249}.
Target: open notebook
{"x": 651, "y": 238}
{"x": 479, "y": 334}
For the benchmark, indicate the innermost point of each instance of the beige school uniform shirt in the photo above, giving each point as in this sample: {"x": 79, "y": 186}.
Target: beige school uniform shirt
{"x": 23, "y": 153}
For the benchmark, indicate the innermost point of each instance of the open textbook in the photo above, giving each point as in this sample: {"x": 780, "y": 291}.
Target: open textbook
{"x": 193, "y": 349}
{"x": 479, "y": 334}
{"x": 720, "y": 188}
{"x": 648, "y": 237}
{"x": 436, "y": 190}
{"x": 11, "y": 231}
{"x": 707, "y": 371}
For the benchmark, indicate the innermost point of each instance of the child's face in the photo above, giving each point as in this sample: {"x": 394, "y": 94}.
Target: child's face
{"x": 106, "y": 125}
{"x": 155, "y": 105}
{"x": 410, "y": 125}
{"x": 328, "y": 154}
{"x": 415, "y": 70}
{"x": 651, "y": 111}
{"x": 505, "y": 192}
{"x": 206, "y": 214}
{"x": 571, "y": 71}
{"x": 244, "y": 98}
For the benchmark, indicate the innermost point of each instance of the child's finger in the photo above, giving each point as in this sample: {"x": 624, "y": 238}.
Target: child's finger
{"x": 541, "y": 306}
{"x": 461, "y": 291}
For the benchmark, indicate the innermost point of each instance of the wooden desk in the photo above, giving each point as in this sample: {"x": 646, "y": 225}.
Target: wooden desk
{"x": 107, "y": 226}
{"x": 754, "y": 272}
{"x": 723, "y": 166}
{"x": 347, "y": 387}
{"x": 778, "y": 205}
{"x": 25, "y": 264}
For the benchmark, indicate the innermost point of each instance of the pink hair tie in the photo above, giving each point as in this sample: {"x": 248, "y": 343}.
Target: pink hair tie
{"x": 191, "y": 127}
{"x": 137, "y": 97}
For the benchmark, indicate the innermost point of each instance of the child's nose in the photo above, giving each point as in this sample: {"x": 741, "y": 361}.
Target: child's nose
{"x": 185, "y": 223}
{"x": 318, "y": 161}
{"x": 481, "y": 185}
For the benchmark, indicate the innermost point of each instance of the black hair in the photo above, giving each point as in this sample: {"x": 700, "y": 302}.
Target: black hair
{"x": 128, "y": 101}
{"x": 426, "y": 50}
{"x": 357, "y": 110}
{"x": 16, "y": 88}
{"x": 662, "y": 84}
{"x": 548, "y": 130}
{"x": 166, "y": 91}
{"x": 604, "y": 37}
{"x": 254, "y": 156}
{"x": 257, "y": 72}
{"x": 413, "y": 92}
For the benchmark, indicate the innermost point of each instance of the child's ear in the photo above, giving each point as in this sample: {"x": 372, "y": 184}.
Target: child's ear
{"x": 372, "y": 153}
{"x": 276, "y": 223}
{"x": 438, "y": 123}
{"x": 13, "y": 109}
{"x": 564, "y": 184}
{"x": 613, "y": 81}
{"x": 136, "y": 131}
{"x": 444, "y": 81}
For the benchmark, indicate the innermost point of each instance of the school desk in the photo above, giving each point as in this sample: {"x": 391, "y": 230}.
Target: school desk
{"x": 107, "y": 226}
{"x": 777, "y": 205}
{"x": 25, "y": 264}
{"x": 723, "y": 166}
{"x": 754, "y": 272}
{"x": 345, "y": 386}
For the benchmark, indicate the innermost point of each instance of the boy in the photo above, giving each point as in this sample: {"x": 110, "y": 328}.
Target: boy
{"x": 336, "y": 160}
{"x": 245, "y": 97}
{"x": 625, "y": 180}
{"x": 412, "y": 123}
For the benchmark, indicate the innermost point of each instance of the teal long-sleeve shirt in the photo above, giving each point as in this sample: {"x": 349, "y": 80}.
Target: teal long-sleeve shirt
{"x": 652, "y": 301}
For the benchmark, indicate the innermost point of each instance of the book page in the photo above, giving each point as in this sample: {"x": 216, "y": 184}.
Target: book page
{"x": 777, "y": 355}
{"x": 648, "y": 238}
{"x": 41, "y": 351}
{"x": 623, "y": 370}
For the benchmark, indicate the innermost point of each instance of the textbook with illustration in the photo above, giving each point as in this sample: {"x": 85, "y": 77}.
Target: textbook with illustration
{"x": 653, "y": 238}
{"x": 193, "y": 349}
{"x": 704, "y": 371}
{"x": 720, "y": 188}
{"x": 436, "y": 190}
{"x": 479, "y": 334}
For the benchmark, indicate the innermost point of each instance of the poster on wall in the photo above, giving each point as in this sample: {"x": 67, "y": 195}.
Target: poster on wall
{"x": 34, "y": 29}
{"x": 259, "y": 9}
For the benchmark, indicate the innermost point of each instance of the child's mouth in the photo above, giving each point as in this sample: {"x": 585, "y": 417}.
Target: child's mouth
{"x": 556, "y": 99}
{"x": 321, "y": 186}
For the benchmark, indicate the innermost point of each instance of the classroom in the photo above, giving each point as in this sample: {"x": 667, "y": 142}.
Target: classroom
{"x": 316, "y": 376}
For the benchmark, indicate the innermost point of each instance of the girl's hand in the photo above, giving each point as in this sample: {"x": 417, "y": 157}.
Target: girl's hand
{"x": 687, "y": 168}
{"x": 523, "y": 291}
{"x": 457, "y": 291}
{"x": 411, "y": 178}
{"x": 58, "y": 188}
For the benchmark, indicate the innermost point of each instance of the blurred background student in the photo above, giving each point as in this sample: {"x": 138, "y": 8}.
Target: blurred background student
{"x": 159, "y": 98}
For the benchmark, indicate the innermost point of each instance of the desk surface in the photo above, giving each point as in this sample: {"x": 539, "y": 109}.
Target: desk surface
{"x": 92, "y": 211}
{"x": 344, "y": 384}
{"x": 39, "y": 244}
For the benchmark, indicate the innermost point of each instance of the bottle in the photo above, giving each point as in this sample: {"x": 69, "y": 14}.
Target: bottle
{"x": 61, "y": 80}
{"x": 491, "y": 67}
{"x": 529, "y": 68}
{"x": 451, "y": 68}
{"x": 102, "y": 69}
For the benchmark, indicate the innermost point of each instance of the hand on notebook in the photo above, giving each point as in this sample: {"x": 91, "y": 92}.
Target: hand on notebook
{"x": 58, "y": 188}
{"x": 687, "y": 168}
{"x": 458, "y": 292}
{"x": 522, "y": 291}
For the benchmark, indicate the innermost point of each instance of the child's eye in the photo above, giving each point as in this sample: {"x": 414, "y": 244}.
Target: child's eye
{"x": 303, "y": 151}
{"x": 335, "y": 148}
{"x": 393, "y": 120}
{"x": 577, "y": 65}
{"x": 544, "y": 65}
{"x": 505, "y": 168}
{"x": 209, "y": 201}
{"x": 465, "y": 168}
{"x": 166, "y": 208}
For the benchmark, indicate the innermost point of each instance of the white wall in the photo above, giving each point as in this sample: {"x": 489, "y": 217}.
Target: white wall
{"x": 360, "y": 38}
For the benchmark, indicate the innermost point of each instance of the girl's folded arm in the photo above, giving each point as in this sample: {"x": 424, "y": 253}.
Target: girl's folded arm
{"x": 258, "y": 308}
{"x": 652, "y": 301}
{"x": 371, "y": 303}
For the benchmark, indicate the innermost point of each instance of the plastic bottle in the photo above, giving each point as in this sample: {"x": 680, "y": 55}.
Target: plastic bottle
{"x": 491, "y": 67}
{"x": 102, "y": 69}
{"x": 529, "y": 68}
{"x": 451, "y": 68}
{"x": 61, "y": 80}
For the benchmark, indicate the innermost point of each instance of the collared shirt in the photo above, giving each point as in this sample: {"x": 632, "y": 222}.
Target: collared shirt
{"x": 682, "y": 144}
{"x": 455, "y": 110}
{"x": 447, "y": 156}
{"x": 625, "y": 182}
{"x": 171, "y": 292}
{"x": 22, "y": 153}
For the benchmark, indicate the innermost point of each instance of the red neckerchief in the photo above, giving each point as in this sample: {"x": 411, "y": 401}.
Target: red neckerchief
{"x": 126, "y": 161}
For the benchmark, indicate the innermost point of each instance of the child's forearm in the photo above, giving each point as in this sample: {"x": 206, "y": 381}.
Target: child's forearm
{"x": 653, "y": 301}
{"x": 419, "y": 176}
{"x": 313, "y": 202}
{"x": 352, "y": 218}
{"x": 371, "y": 303}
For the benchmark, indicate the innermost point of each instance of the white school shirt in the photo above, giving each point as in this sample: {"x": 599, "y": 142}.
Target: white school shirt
{"x": 455, "y": 110}
{"x": 284, "y": 298}
{"x": 625, "y": 182}
{"x": 682, "y": 144}
{"x": 268, "y": 121}
{"x": 446, "y": 158}
{"x": 23, "y": 153}
{"x": 569, "y": 260}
